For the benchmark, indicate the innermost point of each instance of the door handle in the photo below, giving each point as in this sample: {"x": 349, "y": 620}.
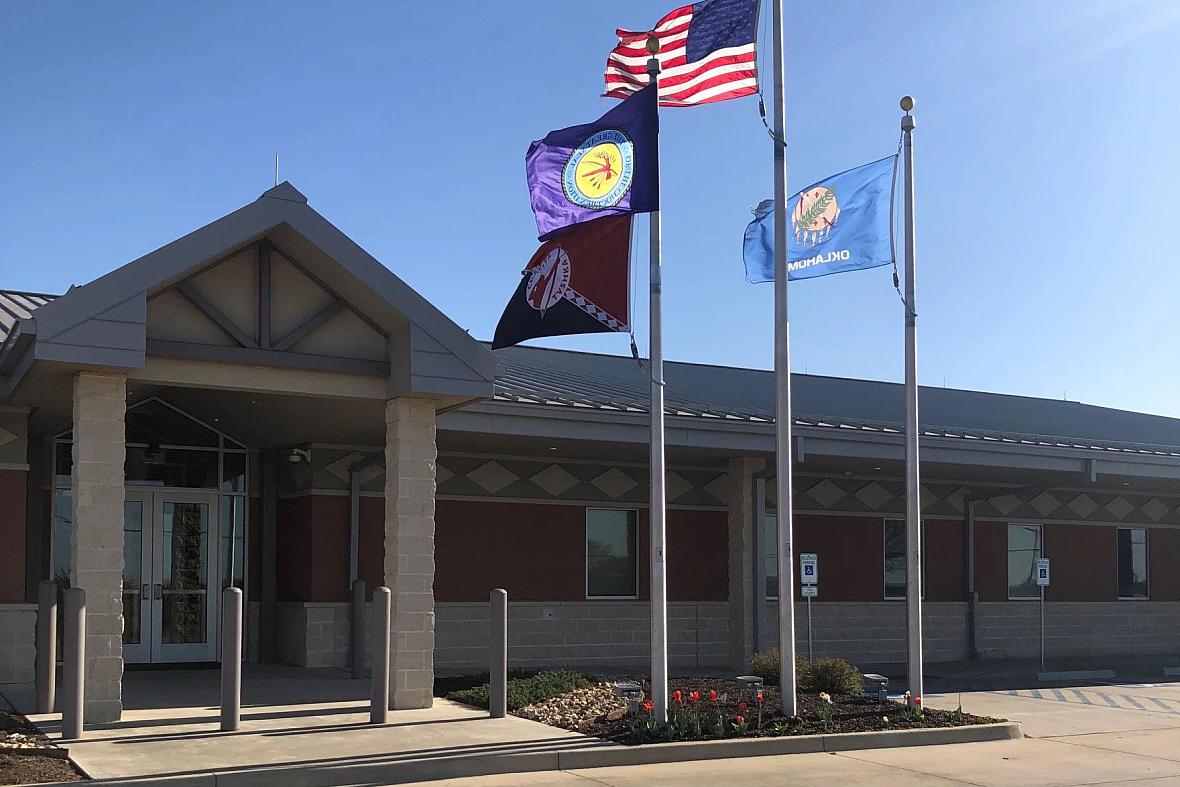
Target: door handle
{"x": 145, "y": 592}
{"x": 159, "y": 591}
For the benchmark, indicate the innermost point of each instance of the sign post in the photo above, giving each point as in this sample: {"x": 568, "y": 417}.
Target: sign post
{"x": 809, "y": 579}
{"x": 1042, "y": 567}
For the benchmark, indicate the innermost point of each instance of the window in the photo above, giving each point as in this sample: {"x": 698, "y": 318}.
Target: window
{"x": 612, "y": 553}
{"x": 1132, "y": 562}
{"x": 770, "y": 554}
{"x": 895, "y": 559}
{"x": 1024, "y": 547}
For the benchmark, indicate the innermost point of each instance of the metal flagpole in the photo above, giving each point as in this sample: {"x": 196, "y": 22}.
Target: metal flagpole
{"x": 782, "y": 379}
{"x": 659, "y": 600}
{"x": 913, "y": 507}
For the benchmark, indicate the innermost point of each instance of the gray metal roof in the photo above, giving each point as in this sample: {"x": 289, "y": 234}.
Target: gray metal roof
{"x": 575, "y": 380}
{"x": 16, "y": 305}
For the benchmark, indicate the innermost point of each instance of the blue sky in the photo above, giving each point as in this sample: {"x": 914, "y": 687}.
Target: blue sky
{"x": 1046, "y": 165}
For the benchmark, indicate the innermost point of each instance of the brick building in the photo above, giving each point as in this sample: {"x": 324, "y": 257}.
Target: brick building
{"x": 261, "y": 402}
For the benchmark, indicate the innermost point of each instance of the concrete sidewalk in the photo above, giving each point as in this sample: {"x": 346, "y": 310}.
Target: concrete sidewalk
{"x": 313, "y": 720}
{"x": 1130, "y": 738}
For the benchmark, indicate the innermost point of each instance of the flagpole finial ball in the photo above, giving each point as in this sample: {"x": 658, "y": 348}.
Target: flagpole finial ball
{"x": 907, "y": 103}
{"x": 653, "y": 45}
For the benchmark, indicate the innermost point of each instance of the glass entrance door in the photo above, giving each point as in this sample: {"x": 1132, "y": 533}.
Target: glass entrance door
{"x": 169, "y": 576}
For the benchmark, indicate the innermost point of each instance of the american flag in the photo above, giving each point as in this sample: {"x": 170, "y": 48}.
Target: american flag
{"x": 706, "y": 54}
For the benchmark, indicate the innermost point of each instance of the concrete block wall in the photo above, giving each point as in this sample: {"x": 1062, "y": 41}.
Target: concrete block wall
{"x": 18, "y": 654}
{"x": 1079, "y": 629}
{"x": 874, "y": 632}
{"x": 582, "y": 634}
{"x": 591, "y": 634}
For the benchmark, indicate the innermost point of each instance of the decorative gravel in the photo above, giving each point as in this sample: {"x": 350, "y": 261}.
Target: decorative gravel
{"x": 28, "y": 757}
{"x": 579, "y": 709}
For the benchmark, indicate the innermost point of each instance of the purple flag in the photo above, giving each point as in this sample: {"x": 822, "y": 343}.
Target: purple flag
{"x": 604, "y": 168}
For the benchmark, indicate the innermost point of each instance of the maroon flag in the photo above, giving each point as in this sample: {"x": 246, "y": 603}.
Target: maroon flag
{"x": 577, "y": 282}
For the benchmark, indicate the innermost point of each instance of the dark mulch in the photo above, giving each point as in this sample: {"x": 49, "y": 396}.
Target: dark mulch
{"x": 849, "y": 713}
{"x": 36, "y": 768}
{"x": 32, "y": 765}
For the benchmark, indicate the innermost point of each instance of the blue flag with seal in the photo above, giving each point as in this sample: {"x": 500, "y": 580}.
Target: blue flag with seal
{"x": 842, "y": 223}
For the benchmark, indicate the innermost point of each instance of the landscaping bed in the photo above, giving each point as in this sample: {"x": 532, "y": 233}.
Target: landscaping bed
{"x": 28, "y": 757}
{"x": 830, "y": 701}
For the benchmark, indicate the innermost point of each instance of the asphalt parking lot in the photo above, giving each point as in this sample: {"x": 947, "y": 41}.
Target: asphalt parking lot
{"x": 1118, "y": 733}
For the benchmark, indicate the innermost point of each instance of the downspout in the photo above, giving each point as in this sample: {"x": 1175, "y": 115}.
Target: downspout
{"x": 354, "y": 524}
{"x": 972, "y": 596}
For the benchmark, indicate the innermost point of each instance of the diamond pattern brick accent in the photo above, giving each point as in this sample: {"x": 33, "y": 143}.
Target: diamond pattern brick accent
{"x": 7, "y": 437}
{"x": 1045, "y": 503}
{"x": 873, "y": 495}
{"x": 1120, "y": 507}
{"x": 926, "y": 497}
{"x": 492, "y": 476}
{"x": 826, "y": 493}
{"x": 1082, "y": 505}
{"x": 1156, "y": 509}
{"x": 555, "y": 480}
{"x": 718, "y": 487}
{"x": 442, "y": 475}
{"x": 614, "y": 482}
{"x": 675, "y": 486}
{"x": 957, "y": 498}
{"x": 1005, "y": 504}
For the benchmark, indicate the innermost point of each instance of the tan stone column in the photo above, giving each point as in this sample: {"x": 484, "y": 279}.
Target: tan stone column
{"x": 96, "y": 543}
{"x": 410, "y": 453}
{"x": 742, "y": 559}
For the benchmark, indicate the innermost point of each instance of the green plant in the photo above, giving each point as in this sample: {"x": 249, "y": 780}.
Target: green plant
{"x": 767, "y": 663}
{"x": 526, "y": 690}
{"x": 825, "y": 710}
{"x": 835, "y": 676}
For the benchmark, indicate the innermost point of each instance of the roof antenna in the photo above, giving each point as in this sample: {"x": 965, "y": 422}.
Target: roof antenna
{"x": 276, "y": 168}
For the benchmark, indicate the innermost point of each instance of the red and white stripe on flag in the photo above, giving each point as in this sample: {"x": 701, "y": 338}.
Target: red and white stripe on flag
{"x": 724, "y": 73}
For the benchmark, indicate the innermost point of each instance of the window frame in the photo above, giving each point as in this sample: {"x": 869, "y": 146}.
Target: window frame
{"x": 772, "y": 544}
{"x": 1008, "y": 551}
{"x": 1146, "y": 565}
{"x": 885, "y": 520}
{"x": 586, "y": 553}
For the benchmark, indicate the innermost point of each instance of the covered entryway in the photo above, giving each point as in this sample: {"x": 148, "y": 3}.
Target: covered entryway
{"x": 272, "y": 325}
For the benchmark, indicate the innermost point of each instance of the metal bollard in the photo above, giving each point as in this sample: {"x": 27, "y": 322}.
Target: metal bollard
{"x": 231, "y": 659}
{"x": 74, "y": 665}
{"x": 498, "y": 668}
{"x": 46, "y": 645}
{"x": 357, "y": 630}
{"x": 379, "y": 669}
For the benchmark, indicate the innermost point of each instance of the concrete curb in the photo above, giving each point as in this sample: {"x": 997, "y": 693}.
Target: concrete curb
{"x": 565, "y": 759}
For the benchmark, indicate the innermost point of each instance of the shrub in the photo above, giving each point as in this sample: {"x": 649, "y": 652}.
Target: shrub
{"x": 525, "y": 691}
{"x": 835, "y": 676}
{"x": 766, "y": 664}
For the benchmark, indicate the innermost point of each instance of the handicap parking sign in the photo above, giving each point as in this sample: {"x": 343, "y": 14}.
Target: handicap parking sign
{"x": 808, "y": 568}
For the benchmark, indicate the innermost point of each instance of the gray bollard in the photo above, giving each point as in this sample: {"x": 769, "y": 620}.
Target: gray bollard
{"x": 379, "y": 669}
{"x": 357, "y": 630}
{"x": 231, "y": 659}
{"x": 498, "y": 666}
{"x": 46, "y": 645}
{"x": 74, "y": 665}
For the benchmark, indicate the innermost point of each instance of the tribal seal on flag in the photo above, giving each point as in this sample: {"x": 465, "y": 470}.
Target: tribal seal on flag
{"x": 575, "y": 283}
{"x": 608, "y": 167}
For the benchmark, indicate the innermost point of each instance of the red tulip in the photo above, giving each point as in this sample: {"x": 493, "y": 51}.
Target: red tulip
{"x": 918, "y": 701}
{"x": 695, "y": 696}
{"x": 712, "y": 695}
{"x": 648, "y": 706}
{"x": 740, "y": 719}
{"x": 742, "y": 707}
{"x": 760, "y": 696}
{"x": 677, "y": 697}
